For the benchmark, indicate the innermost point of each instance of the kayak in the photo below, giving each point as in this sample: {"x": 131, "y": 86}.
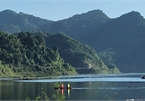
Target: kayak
{"x": 62, "y": 87}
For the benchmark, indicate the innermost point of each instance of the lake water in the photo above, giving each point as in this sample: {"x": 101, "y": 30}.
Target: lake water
{"x": 84, "y": 87}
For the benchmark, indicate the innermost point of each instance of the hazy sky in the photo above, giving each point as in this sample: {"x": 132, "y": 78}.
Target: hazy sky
{"x": 61, "y": 9}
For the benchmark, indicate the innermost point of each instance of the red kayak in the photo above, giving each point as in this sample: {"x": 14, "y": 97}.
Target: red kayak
{"x": 62, "y": 87}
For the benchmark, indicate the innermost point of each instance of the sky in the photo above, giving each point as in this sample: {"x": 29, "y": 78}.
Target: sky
{"x": 61, "y": 9}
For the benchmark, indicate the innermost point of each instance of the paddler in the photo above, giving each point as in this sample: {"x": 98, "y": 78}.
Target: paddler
{"x": 68, "y": 86}
{"x": 62, "y": 86}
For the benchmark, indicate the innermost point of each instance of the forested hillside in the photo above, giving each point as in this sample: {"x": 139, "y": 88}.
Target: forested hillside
{"x": 81, "y": 56}
{"x": 118, "y": 41}
{"x": 77, "y": 25}
{"x": 12, "y": 22}
{"x": 124, "y": 38}
{"x": 26, "y": 54}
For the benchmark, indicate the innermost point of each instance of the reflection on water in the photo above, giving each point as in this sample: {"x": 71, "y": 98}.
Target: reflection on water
{"x": 59, "y": 95}
{"x": 93, "y": 87}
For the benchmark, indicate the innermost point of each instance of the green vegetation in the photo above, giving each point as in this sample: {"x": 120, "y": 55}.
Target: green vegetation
{"x": 6, "y": 71}
{"x": 26, "y": 54}
{"x": 107, "y": 56}
{"x": 12, "y": 22}
{"x": 38, "y": 98}
{"x": 124, "y": 34}
{"x": 125, "y": 37}
{"x": 78, "y": 25}
{"x": 81, "y": 56}
{"x": 58, "y": 95}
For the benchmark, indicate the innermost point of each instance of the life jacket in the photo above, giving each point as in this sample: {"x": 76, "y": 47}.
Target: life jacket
{"x": 62, "y": 86}
{"x": 68, "y": 85}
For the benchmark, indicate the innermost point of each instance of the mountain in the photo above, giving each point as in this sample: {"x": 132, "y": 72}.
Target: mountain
{"x": 118, "y": 41}
{"x": 26, "y": 54}
{"x": 81, "y": 56}
{"x": 13, "y": 22}
{"x": 77, "y": 25}
{"x": 124, "y": 37}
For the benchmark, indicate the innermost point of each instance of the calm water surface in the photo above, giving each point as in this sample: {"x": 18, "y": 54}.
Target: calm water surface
{"x": 84, "y": 87}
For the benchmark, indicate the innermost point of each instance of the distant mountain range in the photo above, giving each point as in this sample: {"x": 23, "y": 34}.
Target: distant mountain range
{"x": 77, "y": 25}
{"x": 125, "y": 36}
{"x": 119, "y": 40}
{"x": 12, "y": 22}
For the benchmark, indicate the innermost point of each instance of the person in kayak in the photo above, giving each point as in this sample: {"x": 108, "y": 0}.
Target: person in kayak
{"x": 68, "y": 86}
{"x": 62, "y": 86}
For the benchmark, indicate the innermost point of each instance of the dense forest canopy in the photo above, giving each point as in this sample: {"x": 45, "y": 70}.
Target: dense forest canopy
{"x": 26, "y": 53}
{"x": 81, "y": 56}
{"x": 117, "y": 41}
